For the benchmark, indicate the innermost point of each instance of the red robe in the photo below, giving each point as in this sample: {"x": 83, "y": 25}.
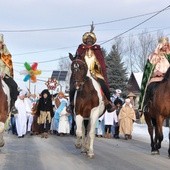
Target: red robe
{"x": 81, "y": 51}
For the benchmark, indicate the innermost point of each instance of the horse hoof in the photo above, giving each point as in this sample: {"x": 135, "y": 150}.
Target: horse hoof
{"x": 91, "y": 156}
{"x": 155, "y": 152}
{"x": 78, "y": 146}
{"x": 2, "y": 145}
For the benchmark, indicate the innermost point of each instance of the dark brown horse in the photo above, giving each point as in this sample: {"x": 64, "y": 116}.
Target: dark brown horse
{"x": 159, "y": 110}
{"x": 3, "y": 111}
{"x": 88, "y": 104}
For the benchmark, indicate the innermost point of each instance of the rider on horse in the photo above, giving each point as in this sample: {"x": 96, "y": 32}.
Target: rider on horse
{"x": 93, "y": 56}
{"x": 155, "y": 69}
{"x": 6, "y": 70}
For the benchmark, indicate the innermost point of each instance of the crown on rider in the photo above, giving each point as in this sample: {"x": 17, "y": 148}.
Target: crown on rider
{"x": 163, "y": 40}
{"x": 91, "y": 34}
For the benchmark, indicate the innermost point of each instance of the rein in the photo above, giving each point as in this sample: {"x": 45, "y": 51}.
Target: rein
{"x": 84, "y": 64}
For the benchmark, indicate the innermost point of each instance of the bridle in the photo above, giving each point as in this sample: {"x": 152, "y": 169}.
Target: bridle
{"x": 76, "y": 68}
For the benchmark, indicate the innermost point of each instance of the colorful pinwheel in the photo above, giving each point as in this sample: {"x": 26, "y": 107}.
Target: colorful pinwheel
{"x": 31, "y": 72}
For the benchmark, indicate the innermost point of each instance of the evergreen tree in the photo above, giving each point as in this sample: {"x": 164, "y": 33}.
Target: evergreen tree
{"x": 116, "y": 73}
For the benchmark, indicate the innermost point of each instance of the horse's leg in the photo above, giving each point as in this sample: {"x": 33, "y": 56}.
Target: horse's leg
{"x": 158, "y": 132}
{"x": 150, "y": 130}
{"x": 79, "y": 133}
{"x": 2, "y": 126}
{"x": 83, "y": 148}
{"x": 93, "y": 118}
{"x": 169, "y": 144}
{"x": 85, "y": 137}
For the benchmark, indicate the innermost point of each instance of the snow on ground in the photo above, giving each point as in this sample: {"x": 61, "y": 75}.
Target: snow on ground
{"x": 140, "y": 132}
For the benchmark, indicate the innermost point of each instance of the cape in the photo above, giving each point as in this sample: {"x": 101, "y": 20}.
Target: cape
{"x": 7, "y": 59}
{"x": 81, "y": 51}
{"x": 148, "y": 71}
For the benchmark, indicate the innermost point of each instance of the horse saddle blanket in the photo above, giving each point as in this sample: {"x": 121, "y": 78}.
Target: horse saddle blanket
{"x": 7, "y": 92}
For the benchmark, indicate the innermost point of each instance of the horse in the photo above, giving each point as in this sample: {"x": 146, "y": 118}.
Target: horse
{"x": 88, "y": 105}
{"x": 158, "y": 111}
{"x": 4, "y": 109}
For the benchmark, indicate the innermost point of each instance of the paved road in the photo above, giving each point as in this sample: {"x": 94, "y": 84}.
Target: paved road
{"x": 56, "y": 153}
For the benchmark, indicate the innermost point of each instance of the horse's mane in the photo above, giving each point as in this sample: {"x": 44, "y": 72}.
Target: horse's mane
{"x": 167, "y": 75}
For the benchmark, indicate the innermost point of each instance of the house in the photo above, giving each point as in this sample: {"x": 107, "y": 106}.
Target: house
{"x": 134, "y": 85}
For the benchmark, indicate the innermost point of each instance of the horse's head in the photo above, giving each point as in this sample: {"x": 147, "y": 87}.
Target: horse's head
{"x": 79, "y": 72}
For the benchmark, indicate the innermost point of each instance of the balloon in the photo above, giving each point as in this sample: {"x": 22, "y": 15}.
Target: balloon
{"x": 24, "y": 72}
{"x": 33, "y": 78}
{"x": 27, "y": 77}
{"x": 27, "y": 66}
{"x": 34, "y": 66}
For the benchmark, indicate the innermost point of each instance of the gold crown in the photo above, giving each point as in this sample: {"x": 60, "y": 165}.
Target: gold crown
{"x": 163, "y": 40}
{"x": 91, "y": 34}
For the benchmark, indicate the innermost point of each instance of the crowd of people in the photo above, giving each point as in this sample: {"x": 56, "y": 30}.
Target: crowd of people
{"x": 43, "y": 115}
{"x": 47, "y": 114}
{"x": 119, "y": 121}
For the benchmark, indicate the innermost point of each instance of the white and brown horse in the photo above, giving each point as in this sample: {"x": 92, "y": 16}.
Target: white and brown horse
{"x": 4, "y": 107}
{"x": 88, "y": 104}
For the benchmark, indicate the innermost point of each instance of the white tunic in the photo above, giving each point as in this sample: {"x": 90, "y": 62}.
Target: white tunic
{"x": 64, "y": 126}
{"x": 109, "y": 118}
{"x": 29, "y": 105}
{"x": 21, "y": 117}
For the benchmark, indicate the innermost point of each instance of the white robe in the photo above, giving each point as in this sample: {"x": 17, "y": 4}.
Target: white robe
{"x": 28, "y": 106}
{"x": 21, "y": 117}
{"x": 64, "y": 126}
{"x": 109, "y": 118}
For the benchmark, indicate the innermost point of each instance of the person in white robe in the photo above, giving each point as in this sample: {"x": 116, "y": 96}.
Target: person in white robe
{"x": 29, "y": 106}
{"x": 21, "y": 117}
{"x": 64, "y": 126}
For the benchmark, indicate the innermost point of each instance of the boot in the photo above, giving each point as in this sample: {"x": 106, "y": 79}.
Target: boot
{"x": 70, "y": 108}
{"x": 109, "y": 135}
{"x": 12, "y": 103}
{"x": 42, "y": 135}
{"x": 46, "y": 135}
{"x": 126, "y": 137}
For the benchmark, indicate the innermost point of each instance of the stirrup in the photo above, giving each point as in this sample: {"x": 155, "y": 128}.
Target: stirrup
{"x": 145, "y": 109}
{"x": 69, "y": 109}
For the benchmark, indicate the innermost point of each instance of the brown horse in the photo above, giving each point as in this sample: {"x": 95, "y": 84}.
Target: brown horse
{"x": 3, "y": 112}
{"x": 88, "y": 104}
{"x": 159, "y": 110}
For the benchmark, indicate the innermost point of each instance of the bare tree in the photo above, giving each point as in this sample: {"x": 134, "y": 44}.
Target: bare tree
{"x": 138, "y": 50}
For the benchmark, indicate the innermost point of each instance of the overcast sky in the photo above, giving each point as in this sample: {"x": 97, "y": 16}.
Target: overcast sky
{"x": 46, "y": 14}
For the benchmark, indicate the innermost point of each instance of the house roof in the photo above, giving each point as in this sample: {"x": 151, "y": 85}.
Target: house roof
{"x": 138, "y": 76}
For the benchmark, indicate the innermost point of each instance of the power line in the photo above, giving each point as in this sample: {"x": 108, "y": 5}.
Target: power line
{"x": 34, "y": 52}
{"x": 136, "y": 25}
{"x": 81, "y": 26}
{"x": 47, "y": 61}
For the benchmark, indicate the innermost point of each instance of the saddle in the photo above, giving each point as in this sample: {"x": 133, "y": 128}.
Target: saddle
{"x": 7, "y": 92}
